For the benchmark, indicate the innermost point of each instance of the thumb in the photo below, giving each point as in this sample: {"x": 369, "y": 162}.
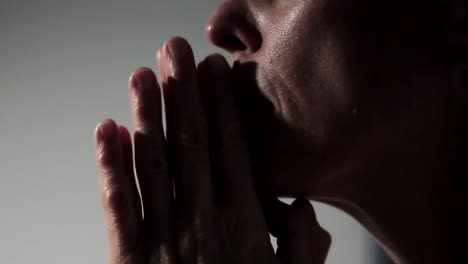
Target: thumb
{"x": 300, "y": 238}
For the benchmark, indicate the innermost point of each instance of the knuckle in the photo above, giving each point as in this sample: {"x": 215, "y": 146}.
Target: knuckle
{"x": 193, "y": 139}
{"x": 126, "y": 258}
{"x": 151, "y": 164}
{"x": 149, "y": 155}
{"x": 160, "y": 255}
{"x": 326, "y": 238}
{"x": 232, "y": 135}
{"x": 151, "y": 171}
{"x": 115, "y": 199}
{"x": 106, "y": 158}
{"x": 145, "y": 113}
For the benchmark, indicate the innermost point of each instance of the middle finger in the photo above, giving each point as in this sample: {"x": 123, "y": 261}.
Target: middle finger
{"x": 187, "y": 146}
{"x": 151, "y": 161}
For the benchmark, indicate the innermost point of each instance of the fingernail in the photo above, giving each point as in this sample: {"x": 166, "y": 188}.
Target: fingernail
{"x": 217, "y": 62}
{"x": 177, "y": 46}
{"x": 161, "y": 62}
{"x": 142, "y": 78}
{"x": 169, "y": 67}
{"x": 178, "y": 53}
{"x": 107, "y": 131}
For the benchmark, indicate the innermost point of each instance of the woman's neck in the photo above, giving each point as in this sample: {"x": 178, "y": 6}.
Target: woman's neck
{"x": 412, "y": 214}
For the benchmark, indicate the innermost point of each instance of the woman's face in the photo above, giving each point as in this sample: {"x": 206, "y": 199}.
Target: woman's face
{"x": 327, "y": 86}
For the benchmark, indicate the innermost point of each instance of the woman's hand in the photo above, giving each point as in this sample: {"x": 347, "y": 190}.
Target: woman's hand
{"x": 199, "y": 204}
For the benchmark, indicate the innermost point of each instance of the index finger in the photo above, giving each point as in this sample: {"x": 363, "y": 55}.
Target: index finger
{"x": 119, "y": 195}
{"x": 230, "y": 155}
{"x": 150, "y": 160}
{"x": 300, "y": 238}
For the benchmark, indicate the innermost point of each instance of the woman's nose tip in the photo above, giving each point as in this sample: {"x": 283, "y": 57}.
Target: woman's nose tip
{"x": 225, "y": 38}
{"x": 231, "y": 29}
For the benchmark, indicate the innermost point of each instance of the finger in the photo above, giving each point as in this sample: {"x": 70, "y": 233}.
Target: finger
{"x": 127, "y": 160}
{"x": 150, "y": 160}
{"x": 187, "y": 145}
{"x": 235, "y": 194}
{"x": 118, "y": 196}
{"x": 300, "y": 238}
{"x": 229, "y": 151}
{"x": 127, "y": 154}
{"x": 186, "y": 125}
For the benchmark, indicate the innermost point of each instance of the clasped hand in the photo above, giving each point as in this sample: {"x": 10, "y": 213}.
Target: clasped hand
{"x": 198, "y": 203}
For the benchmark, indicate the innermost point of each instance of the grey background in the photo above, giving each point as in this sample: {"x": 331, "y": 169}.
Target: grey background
{"x": 64, "y": 66}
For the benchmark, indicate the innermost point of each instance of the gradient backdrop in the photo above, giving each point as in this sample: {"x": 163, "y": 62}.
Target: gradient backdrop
{"x": 64, "y": 66}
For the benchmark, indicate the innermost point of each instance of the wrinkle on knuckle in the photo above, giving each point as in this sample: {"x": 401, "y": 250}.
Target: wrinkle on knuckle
{"x": 193, "y": 139}
{"x": 185, "y": 246}
{"x": 125, "y": 258}
{"x": 197, "y": 240}
{"x": 115, "y": 199}
{"x": 106, "y": 158}
{"x": 131, "y": 253}
{"x": 160, "y": 254}
{"x": 146, "y": 116}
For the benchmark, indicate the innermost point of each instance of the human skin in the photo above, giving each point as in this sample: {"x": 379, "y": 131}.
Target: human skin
{"x": 359, "y": 104}
{"x": 198, "y": 198}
